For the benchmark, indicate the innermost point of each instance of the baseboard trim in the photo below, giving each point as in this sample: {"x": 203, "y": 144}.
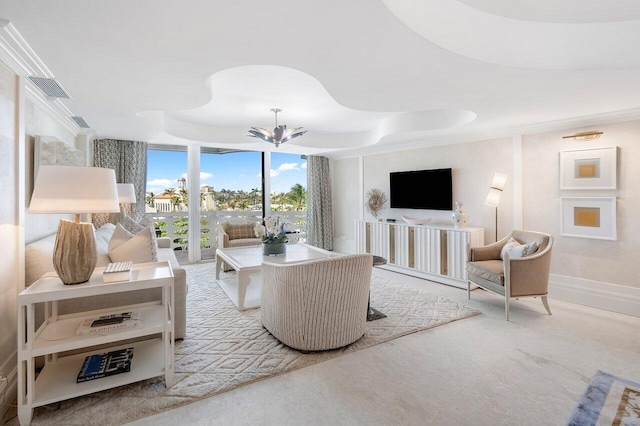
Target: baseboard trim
{"x": 610, "y": 297}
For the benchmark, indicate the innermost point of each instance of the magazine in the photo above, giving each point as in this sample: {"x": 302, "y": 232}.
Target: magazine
{"x": 103, "y": 365}
{"x": 109, "y": 322}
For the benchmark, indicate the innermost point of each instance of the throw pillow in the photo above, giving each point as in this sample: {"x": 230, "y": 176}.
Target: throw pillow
{"x": 138, "y": 248}
{"x": 519, "y": 250}
{"x": 131, "y": 225}
{"x": 511, "y": 244}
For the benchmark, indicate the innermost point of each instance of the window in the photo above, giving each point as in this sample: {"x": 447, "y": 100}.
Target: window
{"x": 231, "y": 181}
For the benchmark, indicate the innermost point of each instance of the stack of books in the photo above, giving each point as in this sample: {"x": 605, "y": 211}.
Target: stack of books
{"x": 108, "y": 322}
{"x": 103, "y": 365}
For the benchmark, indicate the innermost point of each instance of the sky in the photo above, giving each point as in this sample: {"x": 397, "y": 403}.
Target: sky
{"x": 234, "y": 171}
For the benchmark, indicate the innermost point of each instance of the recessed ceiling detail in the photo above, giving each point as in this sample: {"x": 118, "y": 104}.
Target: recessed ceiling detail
{"x": 240, "y": 96}
{"x": 481, "y": 33}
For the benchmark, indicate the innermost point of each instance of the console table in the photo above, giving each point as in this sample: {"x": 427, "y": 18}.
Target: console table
{"x": 435, "y": 252}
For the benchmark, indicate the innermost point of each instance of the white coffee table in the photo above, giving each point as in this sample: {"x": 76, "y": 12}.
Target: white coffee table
{"x": 246, "y": 261}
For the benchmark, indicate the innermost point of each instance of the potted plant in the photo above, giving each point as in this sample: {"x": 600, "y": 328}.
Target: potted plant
{"x": 274, "y": 239}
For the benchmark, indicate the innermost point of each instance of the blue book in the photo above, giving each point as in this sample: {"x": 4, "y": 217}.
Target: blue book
{"x": 103, "y": 365}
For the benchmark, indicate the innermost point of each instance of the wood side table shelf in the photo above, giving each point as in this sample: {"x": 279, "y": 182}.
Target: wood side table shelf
{"x": 57, "y": 381}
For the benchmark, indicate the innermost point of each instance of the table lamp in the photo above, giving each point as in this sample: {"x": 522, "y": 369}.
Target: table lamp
{"x": 126, "y": 196}
{"x": 493, "y": 197}
{"x": 74, "y": 189}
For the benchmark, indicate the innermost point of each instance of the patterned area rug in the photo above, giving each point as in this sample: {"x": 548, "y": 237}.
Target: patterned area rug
{"x": 226, "y": 348}
{"x": 608, "y": 400}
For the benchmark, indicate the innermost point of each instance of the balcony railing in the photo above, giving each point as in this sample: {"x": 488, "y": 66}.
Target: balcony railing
{"x": 175, "y": 225}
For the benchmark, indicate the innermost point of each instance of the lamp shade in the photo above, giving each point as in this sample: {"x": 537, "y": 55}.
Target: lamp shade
{"x": 499, "y": 180}
{"x": 493, "y": 197}
{"x": 74, "y": 189}
{"x": 126, "y": 193}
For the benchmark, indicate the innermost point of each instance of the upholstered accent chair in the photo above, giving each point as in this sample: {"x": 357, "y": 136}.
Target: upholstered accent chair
{"x": 317, "y": 305}
{"x": 236, "y": 235}
{"x": 499, "y": 271}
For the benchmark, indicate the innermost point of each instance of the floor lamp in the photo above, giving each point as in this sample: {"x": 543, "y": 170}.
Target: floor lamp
{"x": 73, "y": 189}
{"x": 493, "y": 197}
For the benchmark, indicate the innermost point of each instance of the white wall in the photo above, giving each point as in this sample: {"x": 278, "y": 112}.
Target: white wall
{"x": 346, "y": 202}
{"x": 598, "y": 260}
{"x": 472, "y": 164}
{"x": 39, "y": 123}
{"x": 10, "y": 249}
{"x": 593, "y": 272}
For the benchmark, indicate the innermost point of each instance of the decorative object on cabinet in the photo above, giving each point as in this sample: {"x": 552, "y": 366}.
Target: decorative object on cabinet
{"x": 459, "y": 217}
{"x": 416, "y": 221}
{"x": 589, "y": 168}
{"x": 512, "y": 277}
{"x": 75, "y": 189}
{"x": 376, "y": 199}
{"x": 495, "y": 192}
{"x": 589, "y": 217}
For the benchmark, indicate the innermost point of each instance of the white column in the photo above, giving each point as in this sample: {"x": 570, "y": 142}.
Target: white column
{"x": 266, "y": 177}
{"x": 361, "y": 187}
{"x": 193, "y": 187}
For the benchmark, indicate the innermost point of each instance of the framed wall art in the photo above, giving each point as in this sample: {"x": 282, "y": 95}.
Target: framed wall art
{"x": 589, "y": 217}
{"x": 49, "y": 151}
{"x": 589, "y": 168}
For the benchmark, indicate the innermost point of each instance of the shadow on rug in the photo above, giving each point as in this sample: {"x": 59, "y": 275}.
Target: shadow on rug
{"x": 226, "y": 348}
{"x": 608, "y": 400}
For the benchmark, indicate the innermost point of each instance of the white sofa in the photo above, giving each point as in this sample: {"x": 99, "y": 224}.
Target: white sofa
{"x": 38, "y": 261}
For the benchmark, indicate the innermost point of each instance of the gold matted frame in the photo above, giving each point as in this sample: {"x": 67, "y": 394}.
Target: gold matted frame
{"x": 589, "y": 168}
{"x": 589, "y": 217}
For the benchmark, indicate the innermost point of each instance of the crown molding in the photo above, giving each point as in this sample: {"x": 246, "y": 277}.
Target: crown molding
{"x": 21, "y": 58}
{"x": 485, "y": 134}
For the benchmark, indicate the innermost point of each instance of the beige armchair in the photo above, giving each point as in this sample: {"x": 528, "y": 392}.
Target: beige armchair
{"x": 512, "y": 277}
{"x": 236, "y": 235}
{"x": 316, "y": 305}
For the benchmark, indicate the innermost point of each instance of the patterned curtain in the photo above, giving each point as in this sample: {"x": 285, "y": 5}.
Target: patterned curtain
{"x": 319, "y": 210}
{"x": 129, "y": 160}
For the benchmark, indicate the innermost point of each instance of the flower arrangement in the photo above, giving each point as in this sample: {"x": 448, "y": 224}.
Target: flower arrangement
{"x": 274, "y": 232}
{"x": 376, "y": 199}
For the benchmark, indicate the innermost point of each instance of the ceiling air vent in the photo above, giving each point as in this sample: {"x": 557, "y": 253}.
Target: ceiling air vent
{"x": 50, "y": 87}
{"x": 80, "y": 122}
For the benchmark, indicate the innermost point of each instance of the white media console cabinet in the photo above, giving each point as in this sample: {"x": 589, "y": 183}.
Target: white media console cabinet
{"x": 435, "y": 252}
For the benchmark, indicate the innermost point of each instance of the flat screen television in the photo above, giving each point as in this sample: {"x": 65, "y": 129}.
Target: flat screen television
{"x": 422, "y": 189}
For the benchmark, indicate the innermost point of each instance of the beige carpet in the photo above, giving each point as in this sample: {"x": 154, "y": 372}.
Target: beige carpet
{"x": 225, "y": 349}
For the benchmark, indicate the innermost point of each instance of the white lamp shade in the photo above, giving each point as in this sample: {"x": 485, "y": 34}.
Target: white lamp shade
{"x": 493, "y": 198}
{"x": 126, "y": 193}
{"x": 499, "y": 179}
{"x": 73, "y": 189}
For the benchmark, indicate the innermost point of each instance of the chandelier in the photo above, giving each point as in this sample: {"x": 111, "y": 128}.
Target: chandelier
{"x": 279, "y": 135}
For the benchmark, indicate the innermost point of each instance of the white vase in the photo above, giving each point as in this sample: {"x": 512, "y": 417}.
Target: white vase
{"x": 459, "y": 217}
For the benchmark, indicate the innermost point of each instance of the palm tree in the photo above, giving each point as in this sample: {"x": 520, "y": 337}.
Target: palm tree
{"x": 255, "y": 192}
{"x": 243, "y": 204}
{"x": 149, "y": 199}
{"x": 184, "y": 196}
{"x": 297, "y": 196}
